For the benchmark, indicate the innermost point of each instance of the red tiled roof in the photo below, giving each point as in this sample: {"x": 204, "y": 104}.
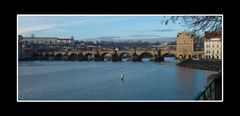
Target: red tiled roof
{"x": 209, "y": 35}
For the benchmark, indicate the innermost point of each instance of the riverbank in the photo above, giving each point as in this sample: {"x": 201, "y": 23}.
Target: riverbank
{"x": 212, "y": 65}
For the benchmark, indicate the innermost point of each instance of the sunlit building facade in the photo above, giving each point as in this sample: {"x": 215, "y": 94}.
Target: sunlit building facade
{"x": 185, "y": 45}
{"x": 213, "y": 45}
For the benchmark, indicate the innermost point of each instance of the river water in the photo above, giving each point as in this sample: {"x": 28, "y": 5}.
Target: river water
{"x": 72, "y": 80}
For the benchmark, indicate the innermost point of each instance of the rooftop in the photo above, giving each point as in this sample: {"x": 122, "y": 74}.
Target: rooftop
{"x": 209, "y": 35}
{"x": 33, "y": 37}
{"x": 40, "y": 38}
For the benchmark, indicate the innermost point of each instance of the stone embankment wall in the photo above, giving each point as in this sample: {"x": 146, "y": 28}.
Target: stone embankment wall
{"x": 213, "y": 65}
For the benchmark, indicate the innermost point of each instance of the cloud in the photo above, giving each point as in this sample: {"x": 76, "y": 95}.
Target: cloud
{"x": 105, "y": 38}
{"x": 128, "y": 38}
{"x": 154, "y": 39}
{"x": 36, "y": 27}
{"x": 153, "y": 30}
{"x": 29, "y": 24}
{"x": 143, "y": 35}
{"x": 162, "y": 30}
{"x": 108, "y": 37}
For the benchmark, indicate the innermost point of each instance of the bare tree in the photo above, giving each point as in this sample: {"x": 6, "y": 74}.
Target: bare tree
{"x": 197, "y": 24}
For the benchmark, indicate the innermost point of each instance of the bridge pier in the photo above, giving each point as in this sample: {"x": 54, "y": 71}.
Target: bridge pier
{"x": 98, "y": 57}
{"x": 135, "y": 57}
{"x": 158, "y": 57}
{"x": 81, "y": 57}
{"x": 116, "y": 57}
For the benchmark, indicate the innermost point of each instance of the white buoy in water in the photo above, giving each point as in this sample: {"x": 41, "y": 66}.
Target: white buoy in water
{"x": 122, "y": 76}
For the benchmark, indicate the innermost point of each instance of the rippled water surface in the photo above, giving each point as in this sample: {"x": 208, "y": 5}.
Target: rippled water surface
{"x": 66, "y": 80}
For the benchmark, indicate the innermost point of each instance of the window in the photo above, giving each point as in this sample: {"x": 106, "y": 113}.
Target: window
{"x": 217, "y": 46}
{"x": 213, "y": 46}
{"x": 213, "y": 51}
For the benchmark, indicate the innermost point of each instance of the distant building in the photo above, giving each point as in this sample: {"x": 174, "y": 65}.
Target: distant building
{"x": 185, "y": 45}
{"x": 165, "y": 47}
{"x": 45, "y": 40}
{"x": 93, "y": 47}
{"x": 170, "y": 45}
{"x": 65, "y": 41}
{"x": 213, "y": 45}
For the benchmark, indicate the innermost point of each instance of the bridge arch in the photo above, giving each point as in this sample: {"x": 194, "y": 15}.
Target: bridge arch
{"x": 125, "y": 55}
{"x": 62, "y": 53}
{"x": 88, "y": 54}
{"x": 146, "y": 55}
{"x": 65, "y": 54}
{"x": 105, "y": 53}
{"x": 80, "y": 55}
{"x": 168, "y": 55}
{"x": 51, "y": 54}
{"x": 58, "y": 55}
{"x": 107, "y": 56}
{"x": 72, "y": 55}
{"x": 46, "y": 55}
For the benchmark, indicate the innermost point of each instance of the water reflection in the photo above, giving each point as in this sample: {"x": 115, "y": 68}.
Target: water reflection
{"x": 184, "y": 82}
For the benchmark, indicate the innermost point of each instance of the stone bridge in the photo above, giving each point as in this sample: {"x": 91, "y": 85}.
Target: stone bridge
{"x": 113, "y": 55}
{"x": 163, "y": 53}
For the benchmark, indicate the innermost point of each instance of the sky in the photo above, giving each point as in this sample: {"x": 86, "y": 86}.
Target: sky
{"x": 100, "y": 27}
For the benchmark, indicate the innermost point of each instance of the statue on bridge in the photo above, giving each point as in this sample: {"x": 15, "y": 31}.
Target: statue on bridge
{"x": 158, "y": 57}
{"x": 115, "y": 56}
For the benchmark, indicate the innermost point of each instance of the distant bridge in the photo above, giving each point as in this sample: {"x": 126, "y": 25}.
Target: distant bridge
{"x": 111, "y": 52}
{"x": 98, "y": 55}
